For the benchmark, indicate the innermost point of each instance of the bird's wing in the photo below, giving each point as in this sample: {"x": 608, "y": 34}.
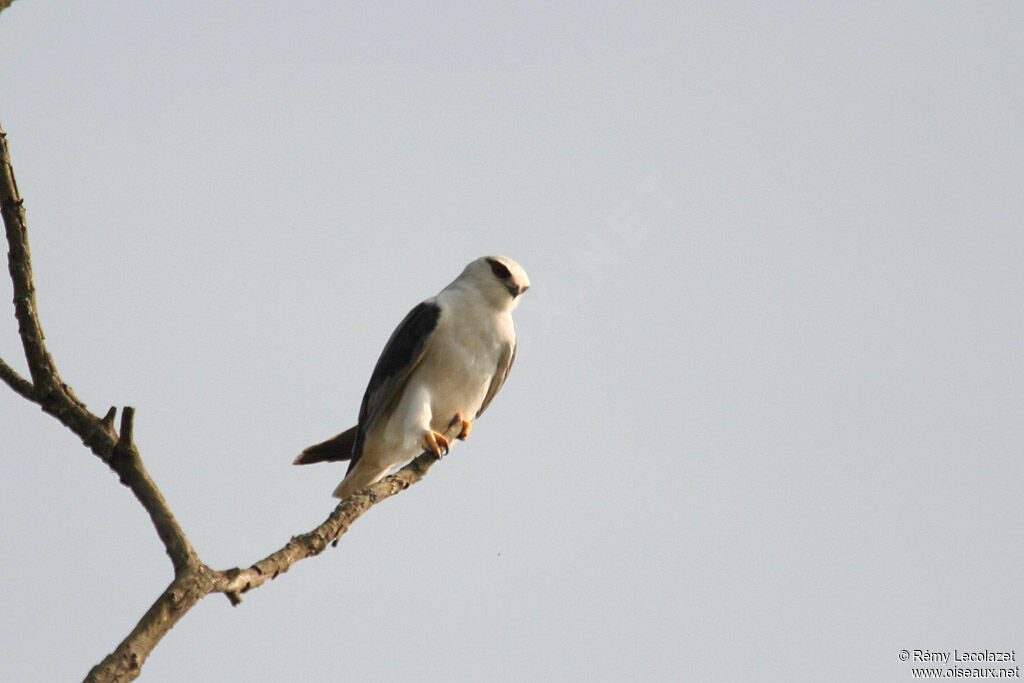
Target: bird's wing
{"x": 403, "y": 352}
{"x": 508, "y": 356}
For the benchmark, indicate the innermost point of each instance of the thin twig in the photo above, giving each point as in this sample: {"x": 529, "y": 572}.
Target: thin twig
{"x": 16, "y": 381}
{"x": 126, "y": 461}
{"x": 19, "y": 262}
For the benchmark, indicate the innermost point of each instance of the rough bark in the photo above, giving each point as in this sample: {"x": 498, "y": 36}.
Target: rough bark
{"x": 193, "y": 580}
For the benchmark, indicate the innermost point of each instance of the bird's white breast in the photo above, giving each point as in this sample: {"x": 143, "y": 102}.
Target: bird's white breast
{"x": 463, "y": 360}
{"x": 456, "y": 371}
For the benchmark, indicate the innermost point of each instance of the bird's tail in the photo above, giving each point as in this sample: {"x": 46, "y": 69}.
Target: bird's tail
{"x": 334, "y": 449}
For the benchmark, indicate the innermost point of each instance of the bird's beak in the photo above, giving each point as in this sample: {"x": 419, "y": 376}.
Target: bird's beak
{"x": 516, "y": 290}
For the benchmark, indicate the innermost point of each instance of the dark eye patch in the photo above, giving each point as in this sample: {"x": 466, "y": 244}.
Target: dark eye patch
{"x": 499, "y": 269}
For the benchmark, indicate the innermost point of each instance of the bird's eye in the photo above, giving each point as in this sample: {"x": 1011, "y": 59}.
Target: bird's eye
{"x": 499, "y": 269}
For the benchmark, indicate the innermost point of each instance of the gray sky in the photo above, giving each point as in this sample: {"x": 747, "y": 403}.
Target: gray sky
{"x": 765, "y": 420}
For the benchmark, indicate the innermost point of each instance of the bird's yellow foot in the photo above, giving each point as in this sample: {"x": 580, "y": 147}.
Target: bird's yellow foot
{"x": 465, "y": 426}
{"x": 435, "y": 443}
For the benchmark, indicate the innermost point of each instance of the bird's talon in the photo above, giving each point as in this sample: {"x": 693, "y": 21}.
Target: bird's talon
{"x": 465, "y": 426}
{"x": 435, "y": 443}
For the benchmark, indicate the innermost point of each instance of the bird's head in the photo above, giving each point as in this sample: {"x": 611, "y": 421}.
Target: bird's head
{"x": 498, "y": 278}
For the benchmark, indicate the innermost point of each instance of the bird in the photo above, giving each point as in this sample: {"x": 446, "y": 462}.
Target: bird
{"x": 441, "y": 368}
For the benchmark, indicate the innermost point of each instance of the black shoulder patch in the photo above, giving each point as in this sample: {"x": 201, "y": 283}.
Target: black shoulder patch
{"x": 406, "y": 341}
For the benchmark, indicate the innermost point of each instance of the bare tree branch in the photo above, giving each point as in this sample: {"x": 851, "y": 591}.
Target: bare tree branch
{"x": 125, "y": 662}
{"x": 193, "y": 580}
{"x": 56, "y": 397}
{"x": 234, "y": 582}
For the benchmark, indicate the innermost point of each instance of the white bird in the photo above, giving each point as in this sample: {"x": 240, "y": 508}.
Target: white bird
{"x": 442, "y": 365}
